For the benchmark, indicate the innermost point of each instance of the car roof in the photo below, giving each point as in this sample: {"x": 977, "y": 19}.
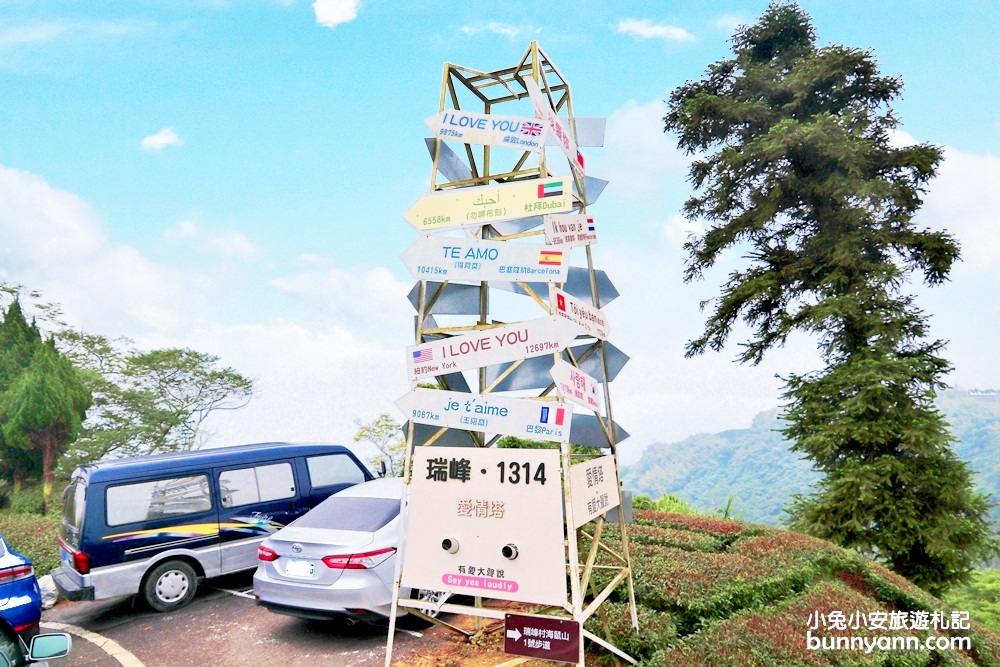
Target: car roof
{"x": 119, "y": 468}
{"x": 383, "y": 487}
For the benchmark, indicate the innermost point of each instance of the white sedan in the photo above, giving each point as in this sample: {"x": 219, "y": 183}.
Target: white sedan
{"x": 339, "y": 559}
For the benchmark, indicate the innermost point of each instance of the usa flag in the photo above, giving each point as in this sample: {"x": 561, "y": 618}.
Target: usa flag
{"x": 423, "y": 355}
{"x": 531, "y": 129}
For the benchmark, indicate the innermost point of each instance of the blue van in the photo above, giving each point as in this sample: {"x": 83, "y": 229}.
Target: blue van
{"x": 155, "y": 525}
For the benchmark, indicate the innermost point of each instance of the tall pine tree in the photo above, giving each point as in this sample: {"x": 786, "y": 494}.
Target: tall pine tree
{"x": 18, "y": 342}
{"x": 796, "y": 166}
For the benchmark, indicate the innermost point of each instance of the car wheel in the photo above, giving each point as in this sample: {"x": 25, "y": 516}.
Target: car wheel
{"x": 170, "y": 585}
{"x": 427, "y": 596}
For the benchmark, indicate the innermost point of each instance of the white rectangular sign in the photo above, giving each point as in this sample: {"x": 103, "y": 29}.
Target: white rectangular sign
{"x": 485, "y": 204}
{"x": 488, "y": 413}
{"x": 555, "y": 126}
{"x": 526, "y": 134}
{"x": 590, "y": 318}
{"x": 593, "y": 488}
{"x": 486, "y": 522}
{"x": 443, "y": 258}
{"x": 575, "y": 385}
{"x": 511, "y": 342}
{"x": 570, "y": 229}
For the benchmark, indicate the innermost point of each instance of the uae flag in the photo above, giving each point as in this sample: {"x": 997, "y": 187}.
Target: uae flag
{"x": 554, "y": 189}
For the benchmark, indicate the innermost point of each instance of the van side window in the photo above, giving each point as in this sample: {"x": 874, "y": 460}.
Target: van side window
{"x": 144, "y": 501}
{"x": 333, "y": 469}
{"x": 257, "y": 484}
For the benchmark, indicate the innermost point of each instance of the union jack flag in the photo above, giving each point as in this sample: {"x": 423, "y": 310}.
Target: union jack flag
{"x": 531, "y": 129}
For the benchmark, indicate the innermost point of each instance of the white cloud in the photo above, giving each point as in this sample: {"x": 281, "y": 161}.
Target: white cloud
{"x": 639, "y": 159}
{"x": 16, "y": 36}
{"x": 728, "y": 23}
{"x": 54, "y": 242}
{"x": 160, "y": 140}
{"x": 678, "y": 229}
{"x": 646, "y": 29}
{"x": 497, "y": 28}
{"x": 229, "y": 243}
{"x": 964, "y": 200}
{"x": 331, "y": 13}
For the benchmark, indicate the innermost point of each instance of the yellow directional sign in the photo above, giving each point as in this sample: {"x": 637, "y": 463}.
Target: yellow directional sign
{"x": 485, "y": 204}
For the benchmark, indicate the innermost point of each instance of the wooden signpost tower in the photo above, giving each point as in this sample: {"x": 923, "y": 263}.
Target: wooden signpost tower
{"x": 511, "y": 340}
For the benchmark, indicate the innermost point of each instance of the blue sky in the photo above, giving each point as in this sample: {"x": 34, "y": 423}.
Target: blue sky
{"x": 231, "y": 176}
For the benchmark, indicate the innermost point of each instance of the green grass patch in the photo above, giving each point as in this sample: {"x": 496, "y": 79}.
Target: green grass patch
{"x": 34, "y": 536}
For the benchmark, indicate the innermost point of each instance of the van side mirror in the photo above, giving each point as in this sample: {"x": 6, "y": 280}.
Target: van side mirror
{"x": 383, "y": 470}
{"x": 49, "y": 646}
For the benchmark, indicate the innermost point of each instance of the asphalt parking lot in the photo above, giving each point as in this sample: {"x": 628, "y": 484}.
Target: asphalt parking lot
{"x": 223, "y": 627}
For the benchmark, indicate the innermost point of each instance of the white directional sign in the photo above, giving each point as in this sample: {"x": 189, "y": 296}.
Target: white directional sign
{"x": 526, "y": 134}
{"x": 510, "y": 342}
{"x": 445, "y": 258}
{"x": 555, "y": 126}
{"x": 520, "y": 417}
{"x": 484, "y": 204}
{"x": 486, "y": 521}
{"x": 570, "y": 229}
{"x": 575, "y": 385}
{"x": 594, "y": 488}
{"x": 591, "y": 319}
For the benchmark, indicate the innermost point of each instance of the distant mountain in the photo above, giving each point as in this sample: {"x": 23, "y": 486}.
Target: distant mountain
{"x": 757, "y": 467}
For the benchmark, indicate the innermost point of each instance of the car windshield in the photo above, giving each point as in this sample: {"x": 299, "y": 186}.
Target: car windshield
{"x": 339, "y": 513}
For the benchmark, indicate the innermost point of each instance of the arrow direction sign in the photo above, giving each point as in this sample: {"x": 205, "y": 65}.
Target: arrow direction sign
{"x": 575, "y": 385}
{"x": 591, "y": 319}
{"x": 520, "y": 417}
{"x": 570, "y": 229}
{"x": 467, "y": 259}
{"x": 577, "y": 284}
{"x": 587, "y": 431}
{"x": 526, "y": 134}
{"x": 543, "y": 637}
{"x": 510, "y": 342}
{"x": 534, "y": 373}
{"x": 555, "y": 126}
{"x": 485, "y": 204}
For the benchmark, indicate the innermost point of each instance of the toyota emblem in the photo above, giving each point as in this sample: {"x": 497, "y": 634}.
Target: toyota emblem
{"x": 297, "y": 548}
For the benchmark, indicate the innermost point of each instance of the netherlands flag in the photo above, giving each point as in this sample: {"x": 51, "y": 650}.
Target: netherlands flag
{"x": 590, "y": 225}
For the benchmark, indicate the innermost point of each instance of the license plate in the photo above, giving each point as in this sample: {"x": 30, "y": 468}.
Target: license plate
{"x": 296, "y": 567}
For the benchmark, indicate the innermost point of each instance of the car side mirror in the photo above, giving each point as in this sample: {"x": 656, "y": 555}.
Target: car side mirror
{"x": 383, "y": 470}
{"x": 49, "y": 646}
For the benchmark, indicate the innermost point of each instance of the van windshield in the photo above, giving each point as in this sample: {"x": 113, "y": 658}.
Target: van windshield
{"x": 74, "y": 502}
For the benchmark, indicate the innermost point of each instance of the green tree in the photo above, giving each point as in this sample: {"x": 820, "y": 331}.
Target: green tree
{"x": 385, "y": 434}
{"x": 796, "y": 166}
{"x": 18, "y": 342}
{"x": 44, "y": 408}
{"x": 144, "y": 402}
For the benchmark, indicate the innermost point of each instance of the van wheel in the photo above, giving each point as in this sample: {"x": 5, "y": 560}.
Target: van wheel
{"x": 170, "y": 585}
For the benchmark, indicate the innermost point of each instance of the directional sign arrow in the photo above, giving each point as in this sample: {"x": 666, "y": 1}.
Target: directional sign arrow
{"x": 555, "y": 125}
{"x": 577, "y": 284}
{"x": 587, "y": 431}
{"x": 458, "y": 299}
{"x": 570, "y": 229}
{"x": 593, "y": 320}
{"x": 575, "y": 385}
{"x": 534, "y": 373}
{"x": 485, "y": 204}
{"x": 472, "y": 259}
{"x": 488, "y": 413}
{"x": 510, "y": 342}
{"x": 454, "y": 168}
{"x": 514, "y": 634}
{"x": 526, "y": 134}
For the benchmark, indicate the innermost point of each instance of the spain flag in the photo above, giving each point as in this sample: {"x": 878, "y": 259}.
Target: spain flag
{"x": 550, "y": 257}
